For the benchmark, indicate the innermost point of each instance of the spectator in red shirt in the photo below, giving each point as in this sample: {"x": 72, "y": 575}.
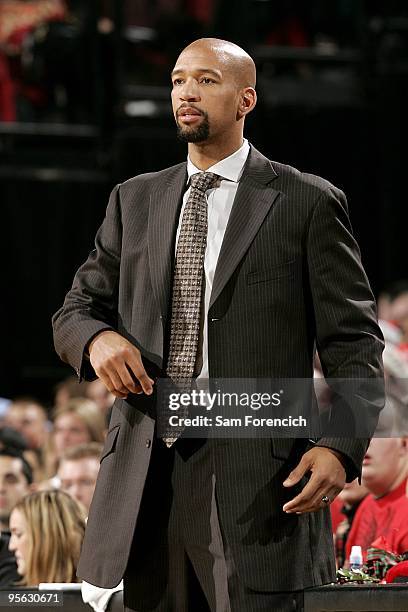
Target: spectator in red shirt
{"x": 384, "y": 511}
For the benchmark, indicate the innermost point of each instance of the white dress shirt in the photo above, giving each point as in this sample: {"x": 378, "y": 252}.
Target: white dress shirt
{"x": 219, "y": 201}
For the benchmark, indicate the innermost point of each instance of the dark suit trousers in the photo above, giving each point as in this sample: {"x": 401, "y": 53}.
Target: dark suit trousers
{"x": 179, "y": 559}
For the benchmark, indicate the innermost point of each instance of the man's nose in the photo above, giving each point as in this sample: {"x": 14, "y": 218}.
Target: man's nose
{"x": 189, "y": 90}
{"x": 75, "y": 491}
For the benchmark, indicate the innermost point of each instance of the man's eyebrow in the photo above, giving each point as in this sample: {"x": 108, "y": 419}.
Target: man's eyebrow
{"x": 216, "y": 73}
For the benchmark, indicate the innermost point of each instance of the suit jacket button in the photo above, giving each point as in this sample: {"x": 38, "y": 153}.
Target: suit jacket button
{"x": 148, "y": 443}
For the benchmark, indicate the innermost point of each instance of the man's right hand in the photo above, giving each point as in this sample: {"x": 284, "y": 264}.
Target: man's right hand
{"x": 118, "y": 364}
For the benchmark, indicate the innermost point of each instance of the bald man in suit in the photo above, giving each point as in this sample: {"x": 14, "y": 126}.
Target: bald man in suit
{"x": 219, "y": 524}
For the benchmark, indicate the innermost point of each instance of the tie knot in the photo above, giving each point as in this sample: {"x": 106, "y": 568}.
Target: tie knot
{"x": 203, "y": 180}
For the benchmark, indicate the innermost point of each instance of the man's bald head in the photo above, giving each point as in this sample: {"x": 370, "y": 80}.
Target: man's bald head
{"x": 234, "y": 58}
{"x": 213, "y": 91}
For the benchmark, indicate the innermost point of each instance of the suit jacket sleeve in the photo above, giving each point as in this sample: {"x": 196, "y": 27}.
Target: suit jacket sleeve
{"x": 348, "y": 338}
{"x": 91, "y": 305}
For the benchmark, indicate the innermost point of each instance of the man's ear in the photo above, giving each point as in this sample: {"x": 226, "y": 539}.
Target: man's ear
{"x": 247, "y": 102}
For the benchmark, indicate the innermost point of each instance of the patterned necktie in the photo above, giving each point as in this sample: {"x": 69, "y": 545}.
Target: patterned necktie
{"x": 187, "y": 289}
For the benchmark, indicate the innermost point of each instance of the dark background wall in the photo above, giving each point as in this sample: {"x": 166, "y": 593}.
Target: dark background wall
{"x": 332, "y": 101}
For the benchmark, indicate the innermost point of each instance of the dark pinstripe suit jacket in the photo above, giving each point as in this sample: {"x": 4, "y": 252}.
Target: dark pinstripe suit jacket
{"x": 288, "y": 277}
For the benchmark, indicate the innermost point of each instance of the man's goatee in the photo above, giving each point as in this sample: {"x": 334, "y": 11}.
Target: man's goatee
{"x": 200, "y": 134}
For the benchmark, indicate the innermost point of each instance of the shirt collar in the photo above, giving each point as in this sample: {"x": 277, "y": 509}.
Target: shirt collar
{"x": 230, "y": 168}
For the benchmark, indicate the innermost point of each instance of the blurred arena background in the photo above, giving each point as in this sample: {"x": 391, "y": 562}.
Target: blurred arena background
{"x": 85, "y": 103}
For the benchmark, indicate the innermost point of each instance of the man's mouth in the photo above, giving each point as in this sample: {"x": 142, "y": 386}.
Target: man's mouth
{"x": 188, "y": 114}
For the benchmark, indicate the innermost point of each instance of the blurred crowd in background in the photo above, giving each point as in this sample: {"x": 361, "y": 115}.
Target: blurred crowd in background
{"x": 49, "y": 463}
{"x": 46, "y": 54}
{"x": 54, "y": 54}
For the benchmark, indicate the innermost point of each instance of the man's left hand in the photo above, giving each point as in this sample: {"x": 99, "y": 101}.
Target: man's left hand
{"x": 328, "y": 477}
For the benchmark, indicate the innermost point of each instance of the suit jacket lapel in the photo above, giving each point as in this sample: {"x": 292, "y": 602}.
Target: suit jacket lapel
{"x": 252, "y": 202}
{"x": 164, "y": 210}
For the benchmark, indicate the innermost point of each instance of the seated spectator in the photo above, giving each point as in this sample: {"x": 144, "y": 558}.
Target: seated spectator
{"x": 8, "y": 565}
{"x": 16, "y": 479}
{"x": 78, "y": 471}
{"x": 47, "y": 529}
{"x": 68, "y": 389}
{"x": 29, "y": 417}
{"x": 384, "y": 511}
{"x": 10, "y": 438}
{"x": 78, "y": 422}
{"x": 15, "y": 483}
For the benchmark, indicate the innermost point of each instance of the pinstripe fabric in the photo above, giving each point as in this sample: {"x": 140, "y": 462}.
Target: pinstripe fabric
{"x": 178, "y": 537}
{"x": 289, "y": 275}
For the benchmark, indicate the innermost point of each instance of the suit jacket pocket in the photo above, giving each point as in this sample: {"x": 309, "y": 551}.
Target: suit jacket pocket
{"x": 110, "y": 442}
{"x": 281, "y": 271}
